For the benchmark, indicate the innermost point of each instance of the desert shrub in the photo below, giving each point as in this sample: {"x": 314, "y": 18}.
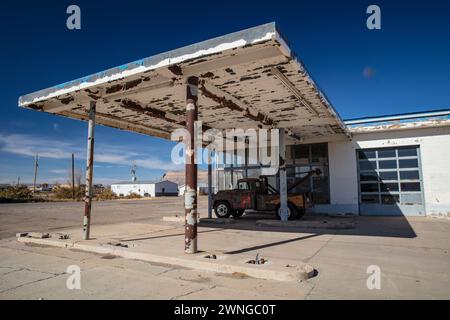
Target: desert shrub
{"x": 133, "y": 196}
{"x": 66, "y": 192}
{"x": 15, "y": 193}
{"x": 107, "y": 194}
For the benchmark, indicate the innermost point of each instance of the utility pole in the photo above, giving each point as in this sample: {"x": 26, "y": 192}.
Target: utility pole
{"x": 73, "y": 176}
{"x": 18, "y": 181}
{"x": 36, "y": 165}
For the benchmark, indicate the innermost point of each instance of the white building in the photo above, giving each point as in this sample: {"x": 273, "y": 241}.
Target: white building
{"x": 393, "y": 165}
{"x": 146, "y": 188}
{"x": 202, "y": 188}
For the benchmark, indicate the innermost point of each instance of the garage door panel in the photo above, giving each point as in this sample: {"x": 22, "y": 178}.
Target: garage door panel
{"x": 390, "y": 181}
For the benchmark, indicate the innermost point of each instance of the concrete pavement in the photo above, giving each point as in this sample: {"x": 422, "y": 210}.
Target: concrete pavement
{"x": 412, "y": 254}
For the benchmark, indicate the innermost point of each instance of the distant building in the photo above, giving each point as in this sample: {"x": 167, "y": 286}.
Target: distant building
{"x": 202, "y": 189}
{"x": 146, "y": 188}
{"x": 179, "y": 177}
{"x": 46, "y": 187}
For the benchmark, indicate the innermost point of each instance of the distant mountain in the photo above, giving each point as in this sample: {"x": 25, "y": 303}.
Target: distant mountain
{"x": 179, "y": 176}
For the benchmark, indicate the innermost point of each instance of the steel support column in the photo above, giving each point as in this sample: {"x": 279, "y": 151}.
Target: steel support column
{"x": 89, "y": 171}
{"x": 190, "y": 194}
{"x": 36, "y": 165}
{"x": 246, "y": 155}
{"x": 73, "y": 177}
{"x": 283, "y": 179}
{"x": 209, "y": 185}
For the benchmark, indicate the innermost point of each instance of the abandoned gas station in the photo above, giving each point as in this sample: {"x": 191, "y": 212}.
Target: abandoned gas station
{"x": 394, "y": 165}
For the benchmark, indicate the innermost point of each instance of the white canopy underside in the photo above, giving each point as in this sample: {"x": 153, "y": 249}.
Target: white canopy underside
{"x": 248, "y": 79}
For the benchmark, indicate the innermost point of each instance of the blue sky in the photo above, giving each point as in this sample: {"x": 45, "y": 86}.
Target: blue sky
{"x": 408, "y": 62}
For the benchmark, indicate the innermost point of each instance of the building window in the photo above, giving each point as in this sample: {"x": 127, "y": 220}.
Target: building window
{"x": 300, "y": 160}
{"x": 309, "y": 157}
{"x": 390, "y": 176}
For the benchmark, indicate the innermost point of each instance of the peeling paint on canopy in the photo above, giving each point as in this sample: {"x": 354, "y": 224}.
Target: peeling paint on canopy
{"x": 248, "y": 79}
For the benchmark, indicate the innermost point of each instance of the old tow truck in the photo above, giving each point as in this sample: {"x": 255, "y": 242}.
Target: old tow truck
{"x": 257, "y": 194}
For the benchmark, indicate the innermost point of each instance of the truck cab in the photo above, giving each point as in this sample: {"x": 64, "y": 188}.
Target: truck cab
{"x": 257, "y": 194}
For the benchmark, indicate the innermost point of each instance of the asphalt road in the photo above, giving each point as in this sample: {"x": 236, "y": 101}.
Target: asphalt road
{"x": 48, "y": 216}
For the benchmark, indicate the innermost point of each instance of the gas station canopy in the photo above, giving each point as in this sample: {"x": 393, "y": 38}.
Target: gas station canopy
{"x": 247, "y": 79}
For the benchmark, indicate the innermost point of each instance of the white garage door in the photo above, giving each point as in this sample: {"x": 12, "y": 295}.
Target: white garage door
{"x": 390, "y": 181}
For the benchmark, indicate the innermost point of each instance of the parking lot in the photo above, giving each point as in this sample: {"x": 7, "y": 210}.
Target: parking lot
{"x": 412, "y": 255}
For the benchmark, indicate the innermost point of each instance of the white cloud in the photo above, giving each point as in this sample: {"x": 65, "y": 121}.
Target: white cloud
{"x": 29, "y": 145}
{"x": 59, "y": 171}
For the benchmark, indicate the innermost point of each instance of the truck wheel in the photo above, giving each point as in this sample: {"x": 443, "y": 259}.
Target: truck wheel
{"x": 292, "y": 212}
{"x": 237, "y": 213}
{"x": 222, "y": 209}
{"x": 301, "y": 212}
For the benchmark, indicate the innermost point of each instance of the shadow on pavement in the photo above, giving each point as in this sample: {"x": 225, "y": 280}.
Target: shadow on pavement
{"x": 395, "y": 226}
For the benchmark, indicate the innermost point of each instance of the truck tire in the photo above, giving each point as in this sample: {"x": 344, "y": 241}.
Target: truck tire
{"x": 292, "y": 212}
{"x": 301, "y": 212}
{"x": 237, "y": 213}
{"x": 222, "y": 209}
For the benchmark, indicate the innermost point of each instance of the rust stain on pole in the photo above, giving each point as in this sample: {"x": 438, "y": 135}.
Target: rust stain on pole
{"x": 190, "y": 194}
{"x": 89, "y": 171}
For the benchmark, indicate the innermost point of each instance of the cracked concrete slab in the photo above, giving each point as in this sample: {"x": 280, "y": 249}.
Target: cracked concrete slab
{"x": 22, "y": 277}
{"x": 273, "y": 289}
{"x": 414, "y": 262}
{"x": 147, "y": 250}
{"x": 227, "y": 292}
{"x": 106, "y": 283}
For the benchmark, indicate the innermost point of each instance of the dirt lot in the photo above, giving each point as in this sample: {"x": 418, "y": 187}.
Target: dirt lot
{"x": 412, "y": 254}
{"x": 47, "y": 216}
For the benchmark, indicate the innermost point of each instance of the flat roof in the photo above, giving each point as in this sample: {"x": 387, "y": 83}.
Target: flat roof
{"x": 141, "y": 182}
{"x": 399, "y": 116}
{"x": 415, "y": 120}
{"x": 248, "y": 79}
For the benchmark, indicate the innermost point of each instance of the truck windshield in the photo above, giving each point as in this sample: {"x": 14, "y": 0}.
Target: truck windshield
{"x": 242, "y": 185}
{"x": 254, "y": 185}
{"x": 248, "y": 185}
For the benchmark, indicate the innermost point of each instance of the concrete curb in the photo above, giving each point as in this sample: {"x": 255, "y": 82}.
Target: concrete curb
{"x": 320, "y": 224}
{"x": 173, "y": 219}
{"x": 207, "y": 221}
{"x": 272, "y": 270}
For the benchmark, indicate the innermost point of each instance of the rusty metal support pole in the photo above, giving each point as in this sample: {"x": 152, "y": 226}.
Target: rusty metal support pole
{"x": 89, "y": 172}
{"x": 209, "y": 185}
{"x": 36, "y": 165}
{"x": 73, "y": 176}
{"x": 247, "y": 152}
{"x": 190, "y": 194}
{"x": 283, "y": 179}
